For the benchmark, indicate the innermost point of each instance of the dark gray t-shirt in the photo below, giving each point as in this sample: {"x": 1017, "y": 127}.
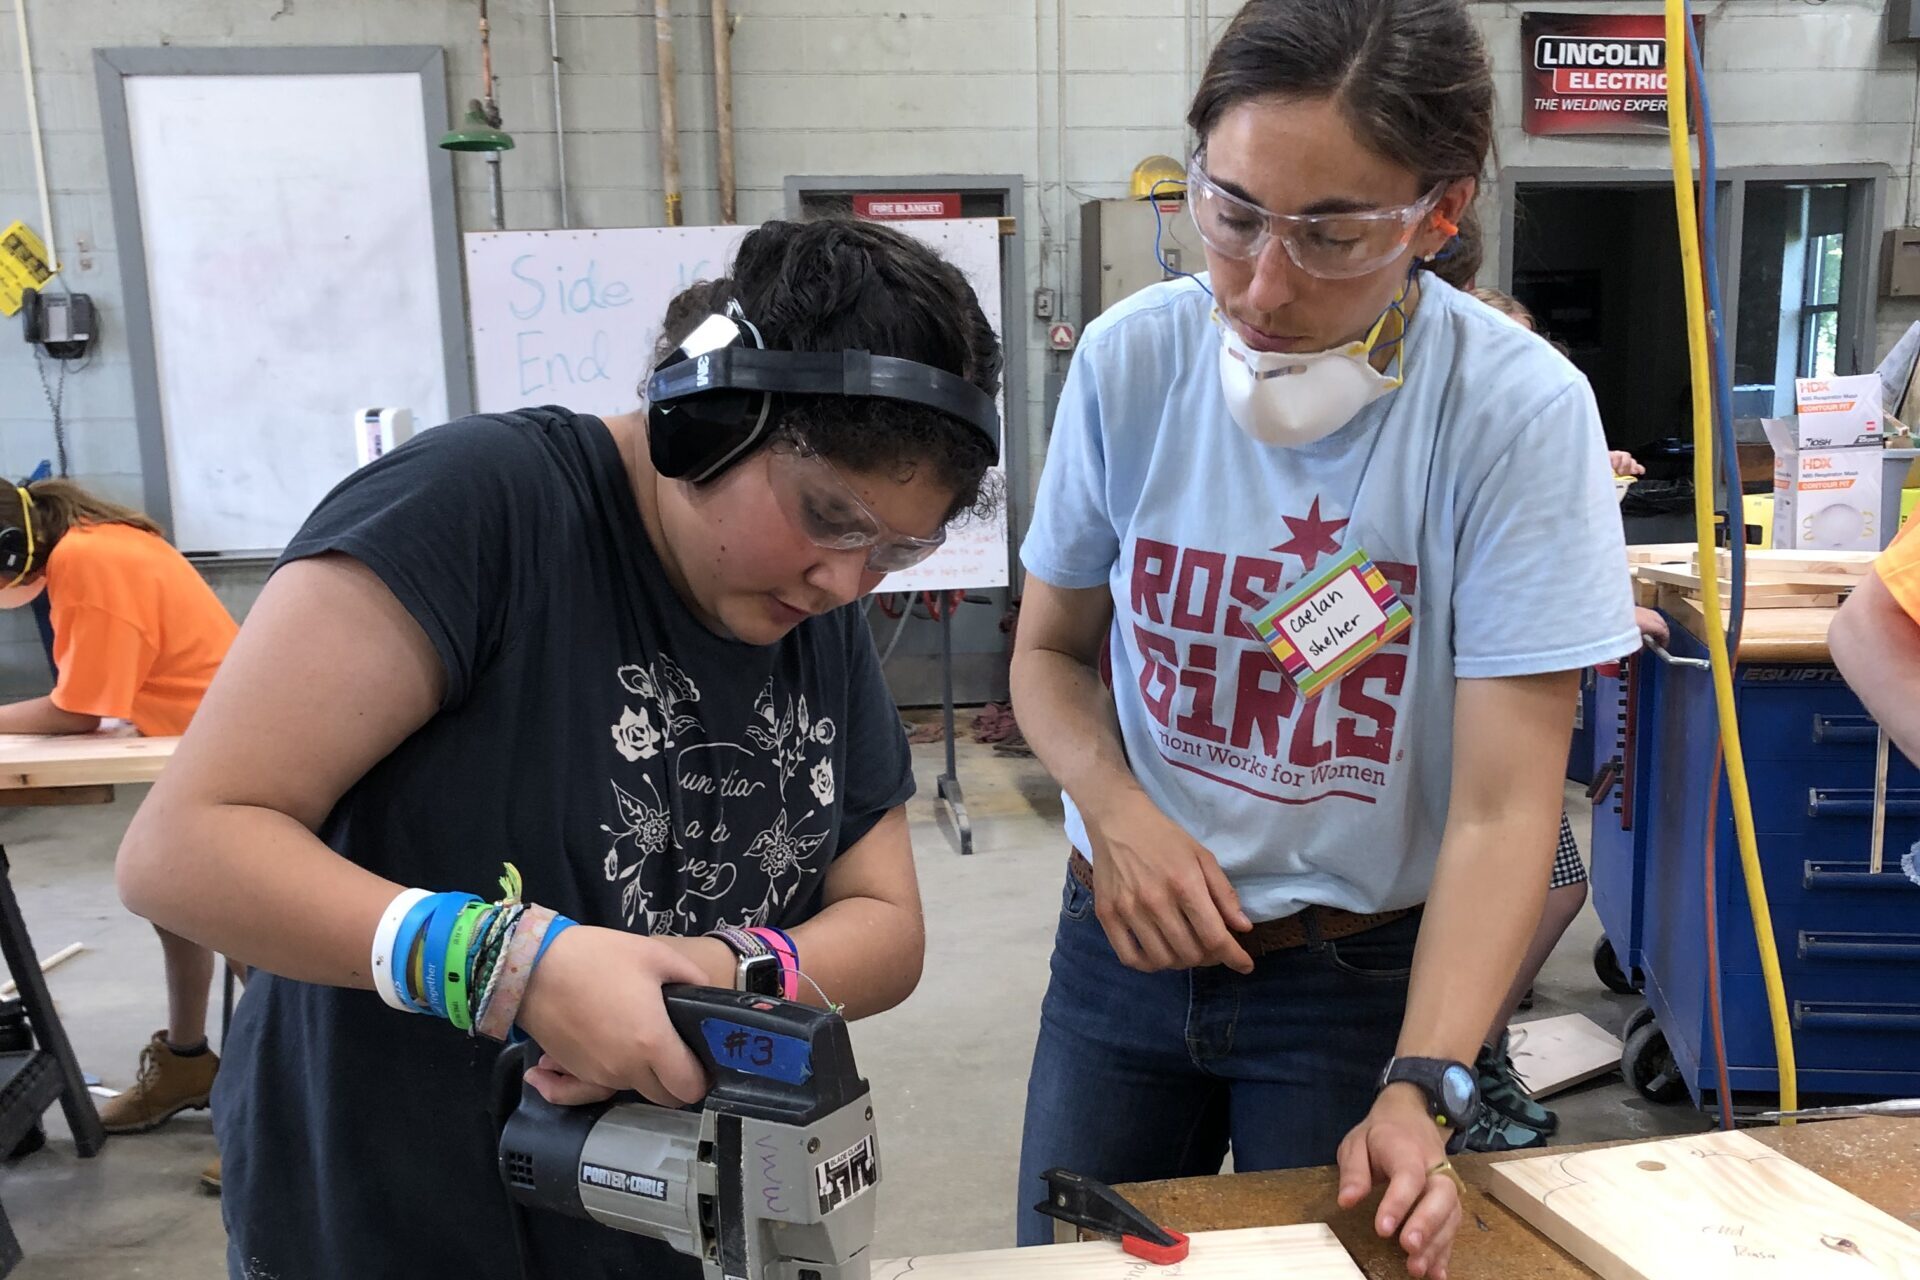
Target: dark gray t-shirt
{"x": 640, "y": 771}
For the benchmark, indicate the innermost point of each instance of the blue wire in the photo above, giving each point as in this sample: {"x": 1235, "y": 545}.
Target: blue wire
{"x": 1723, "y": 406}
{"x": 1159, "y": 223}
{"x": 1722, "y": 370}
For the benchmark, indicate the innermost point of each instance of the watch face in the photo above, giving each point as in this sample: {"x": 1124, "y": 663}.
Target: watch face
{"x": 1459, "y": 1090}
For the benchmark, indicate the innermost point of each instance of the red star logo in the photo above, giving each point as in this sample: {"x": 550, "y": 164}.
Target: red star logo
{"x": 1311, "y": 538}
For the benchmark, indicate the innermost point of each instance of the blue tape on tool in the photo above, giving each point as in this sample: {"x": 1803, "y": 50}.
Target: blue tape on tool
{"x": 753, "y": 1052}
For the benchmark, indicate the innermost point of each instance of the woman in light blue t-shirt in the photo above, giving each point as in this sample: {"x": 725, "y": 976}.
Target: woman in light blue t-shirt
{"x": 1296, "y": 900}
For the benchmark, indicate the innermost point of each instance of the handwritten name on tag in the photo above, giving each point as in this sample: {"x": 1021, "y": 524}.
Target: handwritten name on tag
{"x": 1330, "y": 624}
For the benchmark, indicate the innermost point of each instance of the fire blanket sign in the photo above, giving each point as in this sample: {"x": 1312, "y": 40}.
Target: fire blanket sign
{"x": 1596, "y": 73}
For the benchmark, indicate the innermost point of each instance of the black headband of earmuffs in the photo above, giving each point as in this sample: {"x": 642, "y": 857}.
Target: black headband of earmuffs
{"x": 710, "y": 403}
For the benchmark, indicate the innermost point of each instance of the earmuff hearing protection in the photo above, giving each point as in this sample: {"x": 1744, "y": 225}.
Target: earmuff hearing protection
{"x": 16, "y": 543}
{"x": 713, "y": 401}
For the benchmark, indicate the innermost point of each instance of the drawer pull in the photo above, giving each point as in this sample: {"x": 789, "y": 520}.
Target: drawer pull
{"x": 1857, "y": 802}
{"x": 1881, "y": 947}
{"x": 1855, "y": 875}
{"x": 1844, "y": 728}
{"x": 1832, "y": 1016}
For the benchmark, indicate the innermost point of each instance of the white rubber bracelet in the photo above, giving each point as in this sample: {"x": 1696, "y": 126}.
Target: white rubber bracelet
{"x": 383, "y": 939}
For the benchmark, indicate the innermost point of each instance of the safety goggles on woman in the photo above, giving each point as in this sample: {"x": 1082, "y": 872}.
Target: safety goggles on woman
{"x": 1332, "y": 246}
{"x": 825, "y": 509}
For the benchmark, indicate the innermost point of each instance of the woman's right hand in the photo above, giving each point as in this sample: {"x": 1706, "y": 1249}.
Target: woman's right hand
{"x": 594, "y": 1006}
{"x": 1160, "y": 895}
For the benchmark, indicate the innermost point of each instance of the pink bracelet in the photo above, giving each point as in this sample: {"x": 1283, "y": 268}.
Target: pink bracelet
{"x": 517, "y": 969}
{"x": 789, "y": 961}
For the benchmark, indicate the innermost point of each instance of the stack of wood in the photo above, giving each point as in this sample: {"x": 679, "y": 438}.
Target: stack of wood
{"x": 1665, "y": 573}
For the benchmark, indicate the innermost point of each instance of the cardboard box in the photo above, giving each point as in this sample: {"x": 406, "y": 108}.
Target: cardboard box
{"x": 1825, "y": 498}
{"x": 1839, "y": 413}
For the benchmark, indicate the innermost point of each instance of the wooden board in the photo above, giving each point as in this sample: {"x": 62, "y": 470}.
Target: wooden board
{"x": 80, "y": 760}
{"x": 1768, "y": 635}
{"x": 1551, "y": 1054}
{"x": 1307, "y": 1252}
{"x": 1758, "y": 587}
{"x": 1875, "y": 1158}
{"x": 1717, "y": 1205}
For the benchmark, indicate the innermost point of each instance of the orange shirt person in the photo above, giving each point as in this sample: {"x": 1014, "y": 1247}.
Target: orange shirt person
{"x": 1875, "y": 641}
{"x": 137, "y": 636}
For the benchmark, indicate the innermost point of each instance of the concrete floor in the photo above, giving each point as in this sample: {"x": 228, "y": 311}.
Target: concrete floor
{"x": 949, "y": 1068}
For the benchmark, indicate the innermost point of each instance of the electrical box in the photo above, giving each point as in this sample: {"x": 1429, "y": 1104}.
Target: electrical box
{"x": 1903, "y": 21}
{"x": 1900, "y": 263}
{"x": 1116, "y": 249}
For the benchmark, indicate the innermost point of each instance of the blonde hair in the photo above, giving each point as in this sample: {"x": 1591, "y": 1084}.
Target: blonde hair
{"x": 1507, "y": 305}
{"x": 61, "y": 505}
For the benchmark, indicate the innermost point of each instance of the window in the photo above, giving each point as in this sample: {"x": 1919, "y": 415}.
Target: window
{"x": 1820, "y": 305}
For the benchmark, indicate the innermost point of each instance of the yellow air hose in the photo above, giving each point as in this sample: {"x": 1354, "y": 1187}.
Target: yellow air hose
{"x": 1703, "y": 517}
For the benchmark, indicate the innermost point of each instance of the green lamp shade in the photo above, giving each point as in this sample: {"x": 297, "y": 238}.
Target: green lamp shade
{"x": 475, "y": 134}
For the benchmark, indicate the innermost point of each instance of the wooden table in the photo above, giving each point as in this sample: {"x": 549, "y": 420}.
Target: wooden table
{"x": 1876, "y": 1159}
{"x": 76, "y": 768}
{"x": 1766, "y": 635}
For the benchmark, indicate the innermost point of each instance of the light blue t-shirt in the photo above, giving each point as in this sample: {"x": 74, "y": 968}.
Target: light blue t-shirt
{"x": 1481, "y": 489}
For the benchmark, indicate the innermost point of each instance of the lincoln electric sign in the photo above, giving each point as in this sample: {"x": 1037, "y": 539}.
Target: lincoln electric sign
{"x": 1595, "y": 73}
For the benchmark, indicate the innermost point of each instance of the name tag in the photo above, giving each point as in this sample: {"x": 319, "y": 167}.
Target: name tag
{"x": 1331, "y": 623}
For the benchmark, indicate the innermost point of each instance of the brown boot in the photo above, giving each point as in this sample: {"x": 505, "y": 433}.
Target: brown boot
{"x": 210, "y": 1176}
{"x": 167, "y": 1085}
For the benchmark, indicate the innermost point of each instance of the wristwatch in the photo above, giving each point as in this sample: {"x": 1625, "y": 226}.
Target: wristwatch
{"x": 756, "y": 969}
{"x": 1452, "y": 1089}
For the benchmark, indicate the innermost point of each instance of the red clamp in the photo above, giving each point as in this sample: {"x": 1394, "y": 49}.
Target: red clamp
{"x": 1096, "y": 1207}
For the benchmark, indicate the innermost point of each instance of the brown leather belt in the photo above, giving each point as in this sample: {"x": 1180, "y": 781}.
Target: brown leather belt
{"x": 1310, "y": 924}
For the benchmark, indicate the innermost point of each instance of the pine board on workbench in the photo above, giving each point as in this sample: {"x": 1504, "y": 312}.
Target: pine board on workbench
{"x": 1306, "y": 1252}
{"x": 1713, "y": 1204}
{"x": 1875, "y": 1159}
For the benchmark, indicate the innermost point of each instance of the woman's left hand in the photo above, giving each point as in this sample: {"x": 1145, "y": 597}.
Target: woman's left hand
{"x": 1399, "y": 1144}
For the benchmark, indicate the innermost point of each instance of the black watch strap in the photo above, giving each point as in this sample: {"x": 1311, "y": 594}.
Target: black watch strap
{"x": 1452, "y": 1089}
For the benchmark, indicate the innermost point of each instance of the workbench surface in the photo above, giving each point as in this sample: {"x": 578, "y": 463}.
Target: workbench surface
{"x": 1766, "y": 635}
{"x": 1876, "y": 1159}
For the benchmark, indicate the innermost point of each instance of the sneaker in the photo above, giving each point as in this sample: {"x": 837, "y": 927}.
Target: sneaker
{"x": 167, "y": 1085}
{"x": 1501, "y": 1090}
{"x": 1492, "y": 1131}
{"x": 210, "y": 1176}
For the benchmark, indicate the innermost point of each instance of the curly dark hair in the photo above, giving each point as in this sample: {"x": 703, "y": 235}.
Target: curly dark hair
{"x": 838, "y": 284}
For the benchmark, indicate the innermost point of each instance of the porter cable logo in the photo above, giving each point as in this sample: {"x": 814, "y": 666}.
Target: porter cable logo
{"x": 633, "y": 1184}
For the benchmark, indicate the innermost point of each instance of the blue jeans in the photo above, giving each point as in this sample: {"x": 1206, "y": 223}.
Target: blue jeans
{"x": 1143, "y": 1076}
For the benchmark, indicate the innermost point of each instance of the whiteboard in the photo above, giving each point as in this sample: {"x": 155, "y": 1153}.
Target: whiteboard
{"x": 286, "y": 248}
{"x": 571, "y": 317}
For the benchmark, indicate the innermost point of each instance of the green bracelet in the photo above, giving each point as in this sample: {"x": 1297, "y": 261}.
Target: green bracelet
{"x": 455, "y": 981}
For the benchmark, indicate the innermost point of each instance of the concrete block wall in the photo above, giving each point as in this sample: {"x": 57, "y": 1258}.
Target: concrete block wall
{"x": 1070, "y": 93}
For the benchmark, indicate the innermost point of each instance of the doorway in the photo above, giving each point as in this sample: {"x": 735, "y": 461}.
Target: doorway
{"x": 1599, "y": 267}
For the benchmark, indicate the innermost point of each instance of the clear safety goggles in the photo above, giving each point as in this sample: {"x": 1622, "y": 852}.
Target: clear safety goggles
{"x": 825, "y": 509}
{"x": 1332, "y": 246}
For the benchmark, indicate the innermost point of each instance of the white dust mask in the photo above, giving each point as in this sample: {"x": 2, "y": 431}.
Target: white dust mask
{"x": 1293, "y": 398}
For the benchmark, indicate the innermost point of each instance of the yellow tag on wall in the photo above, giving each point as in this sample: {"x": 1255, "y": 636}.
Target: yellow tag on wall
{"x": 23, "y": 265}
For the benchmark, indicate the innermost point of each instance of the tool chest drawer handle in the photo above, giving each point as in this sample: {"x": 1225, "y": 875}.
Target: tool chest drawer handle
{"x": 1844, "y": 728}
{"x": 1860, "y": 946}
{"x": 1674, "y": 660}
{"x": 1857, "y": 802}
{"x": 1832, "y": 1016}
{"x": 1855, "y": 875}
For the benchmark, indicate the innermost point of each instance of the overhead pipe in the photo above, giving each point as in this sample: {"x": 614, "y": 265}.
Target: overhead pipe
{"x": 559, "y": 119}
{"x": 723, "y": 104}
{"x": 39, "y": 142}
{"x": 669, "y": 137}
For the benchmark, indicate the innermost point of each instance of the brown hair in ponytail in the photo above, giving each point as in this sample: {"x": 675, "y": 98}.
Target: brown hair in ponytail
{"x": 60, "y": 505}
